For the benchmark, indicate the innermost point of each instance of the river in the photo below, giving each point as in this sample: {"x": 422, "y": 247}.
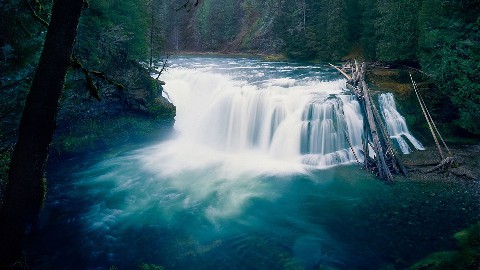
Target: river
{"x": 260, "y": 174}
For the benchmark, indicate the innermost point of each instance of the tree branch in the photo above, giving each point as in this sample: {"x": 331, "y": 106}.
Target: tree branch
{"x": 164, "y": 67}
{"x": 188, "y": 6}
{"x": 91, "y": 86}
{"x": 35, "y": 15}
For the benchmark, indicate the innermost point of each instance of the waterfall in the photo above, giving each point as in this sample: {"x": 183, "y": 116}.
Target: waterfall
{"x": 302, "y": 121}
{"x": 396, "y": 125}
{"x": 290, "y": 120}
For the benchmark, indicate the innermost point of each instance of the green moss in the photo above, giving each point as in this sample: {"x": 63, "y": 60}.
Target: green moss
{"x": 145, "y": 266}
{"x": 292, "y": 264}
{"x": 42, "y": 192}
{"x": 4, "y": 165}
{"x": 161, "y": 109}
{"x": 97, "y": 133}
{"x": 468, "y": 257}
{"x": 469, "y": 238}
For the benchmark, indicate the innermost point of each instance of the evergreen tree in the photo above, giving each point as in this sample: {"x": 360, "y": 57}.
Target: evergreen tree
{"x": 397, "y": 30}
{"x": 337, "y": 38}
{"x": 450, "y": 51}
{"x": 112, "y": 32}
{"x": 217, "y": 22}
{"x": 368, "y": 37}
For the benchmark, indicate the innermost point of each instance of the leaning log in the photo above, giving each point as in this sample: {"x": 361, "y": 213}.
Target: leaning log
{"x": 397, "y": 162}
{"x": 383, "y": 170}
{"x": 386, "y": 160}
{"x": 341, "y": 71}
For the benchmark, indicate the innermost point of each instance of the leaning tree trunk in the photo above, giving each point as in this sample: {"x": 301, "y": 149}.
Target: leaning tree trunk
{"x": 24, "y": 190}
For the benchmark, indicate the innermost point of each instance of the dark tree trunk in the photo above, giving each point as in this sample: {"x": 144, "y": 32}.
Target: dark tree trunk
{"x": 24, "y": 190}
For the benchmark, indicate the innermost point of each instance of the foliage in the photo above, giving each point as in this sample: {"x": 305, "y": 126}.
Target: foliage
{"x": 219, "y": 16}
{"x": 21, "y": 35}
{"x": 112, "y": 32}
{"x": 450, "y": 51}
{"x": 396, "y": 30}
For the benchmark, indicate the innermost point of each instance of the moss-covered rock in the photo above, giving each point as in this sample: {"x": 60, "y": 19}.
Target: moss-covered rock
{"x": 105, "y": 132}
{"x": 137, "y": 111}
{"x": 467, "y": 257}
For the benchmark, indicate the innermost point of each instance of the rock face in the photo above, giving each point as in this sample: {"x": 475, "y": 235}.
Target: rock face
{"x": 138, "y": 110}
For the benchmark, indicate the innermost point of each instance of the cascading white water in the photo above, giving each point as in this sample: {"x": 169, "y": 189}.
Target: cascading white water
{"x": 396, "y": 125}
{"x": 261, "y": 118}
{"x": 326, "y": 123}
{"x": 303, "y": 121}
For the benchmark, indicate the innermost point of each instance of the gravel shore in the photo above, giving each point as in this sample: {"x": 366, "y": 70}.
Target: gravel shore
{"x": 467, "y": 169}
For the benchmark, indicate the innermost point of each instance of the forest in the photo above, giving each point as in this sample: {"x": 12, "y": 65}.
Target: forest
{"x": 442, "y": 38}
{"x": 117, "y": 48}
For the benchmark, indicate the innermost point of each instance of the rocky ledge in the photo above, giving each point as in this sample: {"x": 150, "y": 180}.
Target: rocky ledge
{"x": 137, "y": 111}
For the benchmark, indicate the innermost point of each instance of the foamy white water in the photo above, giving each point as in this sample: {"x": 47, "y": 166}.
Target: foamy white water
{"x": 285, "y": 121}
{"x": 396, "y": 124}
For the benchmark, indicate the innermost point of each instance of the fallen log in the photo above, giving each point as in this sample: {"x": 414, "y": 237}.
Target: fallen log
{"x": 386, "y": 160}
{"x": 341, "y": 71}
{"x": 446, "y": 164}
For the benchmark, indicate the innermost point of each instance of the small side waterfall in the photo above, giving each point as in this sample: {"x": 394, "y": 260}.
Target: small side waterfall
{"x": 396, "y": 125}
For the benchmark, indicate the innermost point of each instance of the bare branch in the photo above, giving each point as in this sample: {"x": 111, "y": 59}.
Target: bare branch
{"x": 35, "y": 15}
{"x": 164, "y": 67}
{"x": 341, "y": 71}
{"x": 92, "y": 87}
{"x": 188, "y": 6}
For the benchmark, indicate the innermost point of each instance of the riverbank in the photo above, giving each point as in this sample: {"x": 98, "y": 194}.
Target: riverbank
{"x": 467, "y": 169}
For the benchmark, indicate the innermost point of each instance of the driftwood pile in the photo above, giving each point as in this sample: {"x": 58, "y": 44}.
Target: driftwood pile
{"x": 385, "y": 161}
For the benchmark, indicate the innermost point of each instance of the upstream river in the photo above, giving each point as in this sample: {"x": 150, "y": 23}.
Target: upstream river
{"x": 260, "y": 173}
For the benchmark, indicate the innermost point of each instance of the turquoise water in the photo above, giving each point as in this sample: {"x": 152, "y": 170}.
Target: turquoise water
{"x": 189, "y": 203}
